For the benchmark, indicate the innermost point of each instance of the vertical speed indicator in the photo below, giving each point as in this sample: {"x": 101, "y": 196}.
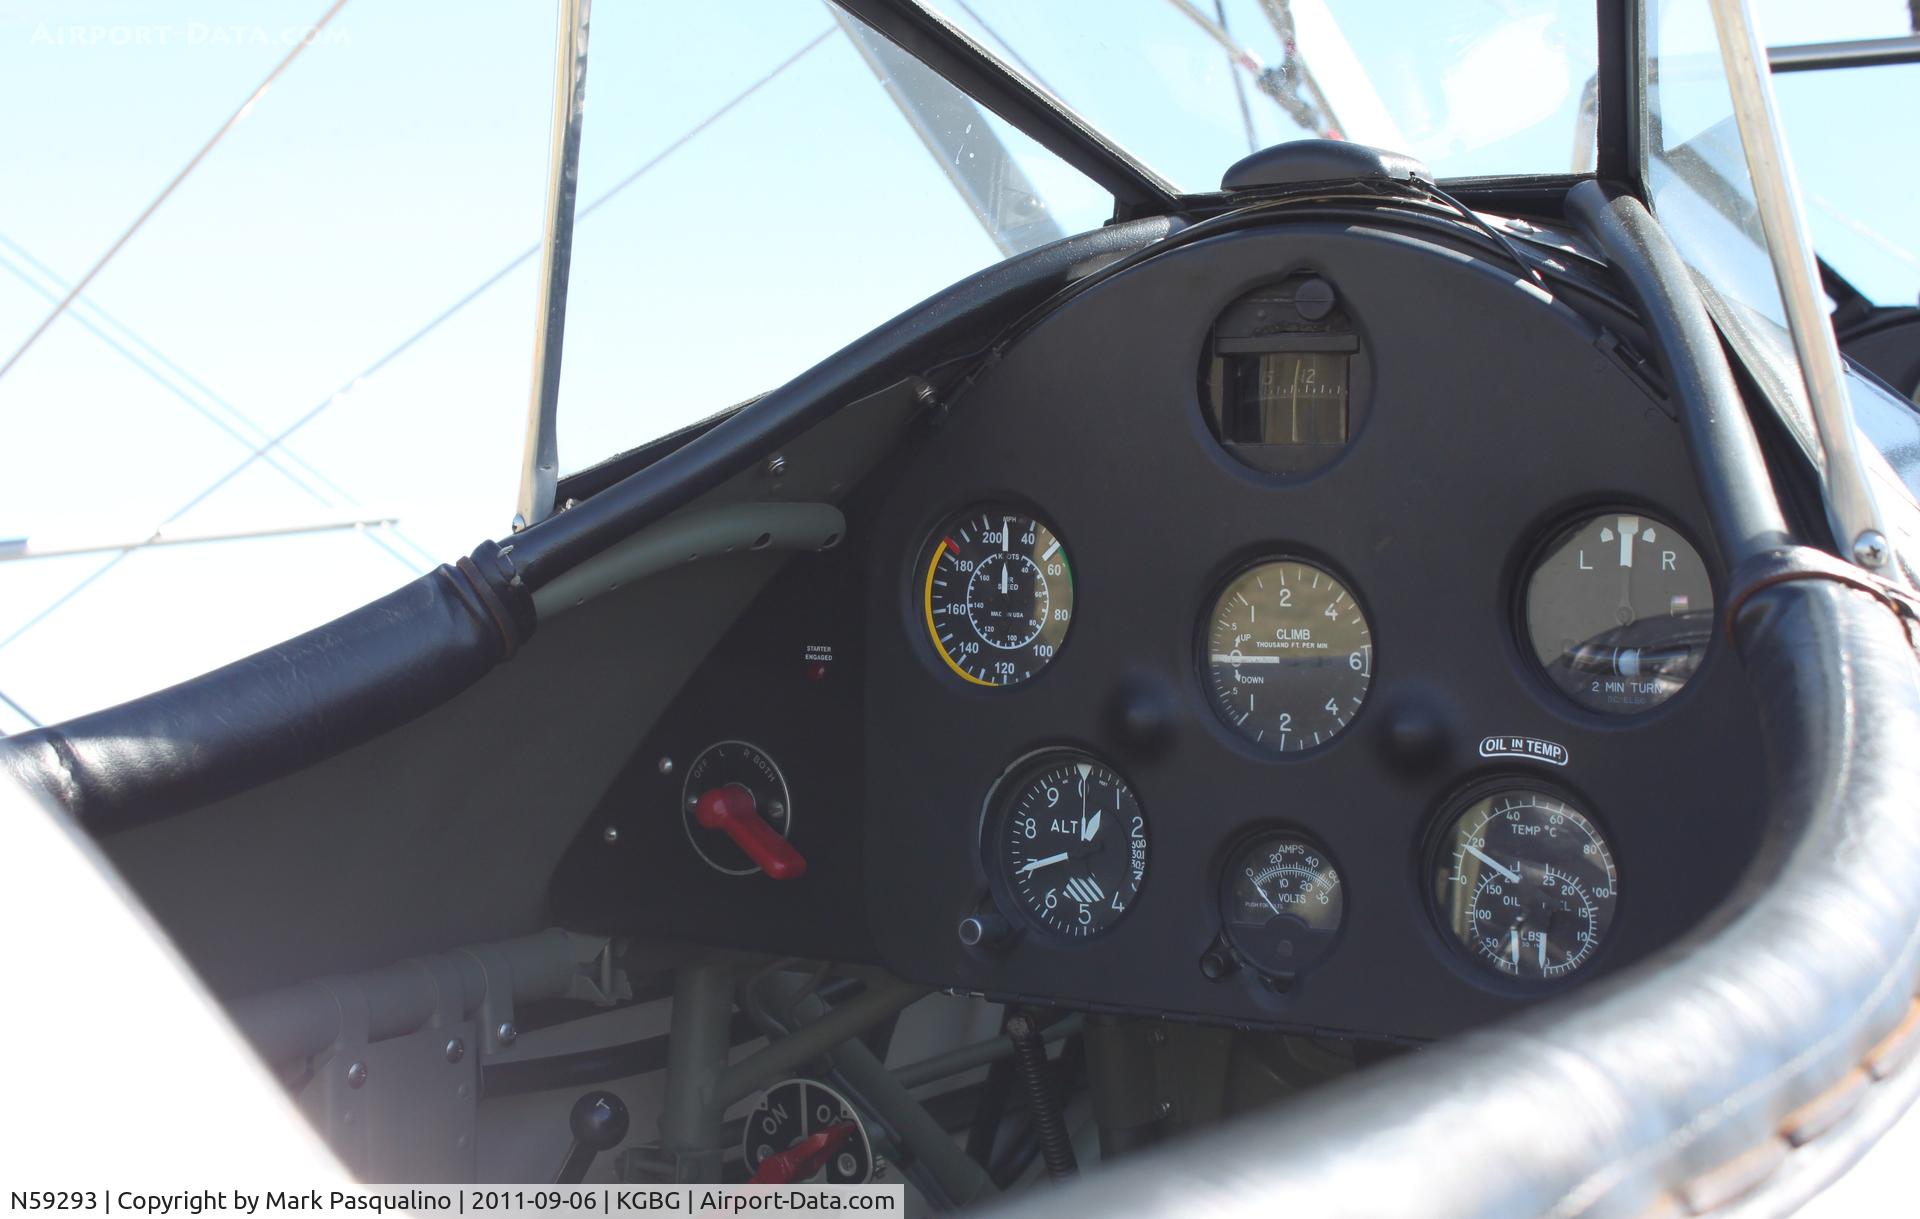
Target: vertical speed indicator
{"x": 996, "y": 593}
{"x": 1287, "y": 655}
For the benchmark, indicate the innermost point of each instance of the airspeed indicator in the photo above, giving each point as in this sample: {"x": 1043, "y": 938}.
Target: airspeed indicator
{"x": 996, "y": 594}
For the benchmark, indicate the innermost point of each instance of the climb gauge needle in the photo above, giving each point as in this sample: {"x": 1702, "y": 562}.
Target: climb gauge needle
{"x": 1506, "y": 874}
{"x": 1034, "y": 865}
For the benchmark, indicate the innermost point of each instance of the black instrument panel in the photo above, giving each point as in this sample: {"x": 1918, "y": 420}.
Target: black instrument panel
{"x": 1490, "y": 426}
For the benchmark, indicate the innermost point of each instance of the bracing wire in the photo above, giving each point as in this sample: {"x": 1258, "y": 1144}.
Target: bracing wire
{"x": 275, "y": 440}
{"x": 146, "y": 214}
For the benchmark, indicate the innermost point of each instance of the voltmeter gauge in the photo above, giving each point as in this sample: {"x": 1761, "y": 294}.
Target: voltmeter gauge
{"x": 1619, "y": 612}
{"x": 1068, "y": 841}
{"x": 1524, "y": 881}
{"x": 996, "y": 594}
{"x": 1281, "y": 903}
{"x": 1287, "y": 655}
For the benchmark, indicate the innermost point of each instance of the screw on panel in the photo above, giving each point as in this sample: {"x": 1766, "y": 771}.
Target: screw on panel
{"x": 610, "y": 835}
{"x": 506, "y": 1034}
{"x": 356, "y": 1074}
{"x": 776, "y": 466}
{"x": 666, "y": 766}
{"x": 925, "y": 394}
{"x": 456, "y": 1050}
{"x": 1870, "y": 549}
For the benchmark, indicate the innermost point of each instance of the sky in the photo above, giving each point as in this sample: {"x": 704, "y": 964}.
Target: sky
{"x": 302, "y": 282}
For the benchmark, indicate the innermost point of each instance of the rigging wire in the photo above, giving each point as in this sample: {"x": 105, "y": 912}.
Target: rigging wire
{"x": 1239, "y": 86}
{"x": 22, "y": 712}
{"x": 140, "y": 220}
{"x": 279, "y": 462}
{"x": 1282, "y": 82}
{"x": 274, "y": 441}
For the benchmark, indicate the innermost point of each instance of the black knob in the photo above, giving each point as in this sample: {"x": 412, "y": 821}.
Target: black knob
{"x": 1313, "y": 299}
{"x": 1415, "y": 731}
{"x": 1140, "y": 712}
{"x": 982, "y": 930}
{"x": 599, "y": 1122}
{"x": 1216, "y": 964}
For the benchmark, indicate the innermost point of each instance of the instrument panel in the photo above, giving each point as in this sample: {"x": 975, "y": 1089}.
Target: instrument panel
{"x": 1335, "y": 650}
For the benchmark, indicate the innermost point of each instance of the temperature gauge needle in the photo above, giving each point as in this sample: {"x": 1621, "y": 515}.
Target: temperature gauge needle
{"x": 1506, "y": 874}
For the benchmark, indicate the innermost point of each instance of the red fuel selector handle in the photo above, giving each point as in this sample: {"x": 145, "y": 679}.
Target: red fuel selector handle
{"x": 731, "y": 810}
{"x": 804, "y": 1158}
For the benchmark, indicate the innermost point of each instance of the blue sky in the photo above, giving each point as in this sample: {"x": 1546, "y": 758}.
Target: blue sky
{"x": 399, "y": 164}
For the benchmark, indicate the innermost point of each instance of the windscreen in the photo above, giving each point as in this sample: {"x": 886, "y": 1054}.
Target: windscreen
{"x": 1188, "y": 87}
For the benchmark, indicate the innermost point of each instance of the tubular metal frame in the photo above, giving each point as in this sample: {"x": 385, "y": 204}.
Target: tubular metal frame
{"x": 540, "y": 464}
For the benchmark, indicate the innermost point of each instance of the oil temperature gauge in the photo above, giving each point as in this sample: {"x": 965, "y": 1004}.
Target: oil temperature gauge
{"x": 1281, "y": 903}
{"x": 1524, "y": 881}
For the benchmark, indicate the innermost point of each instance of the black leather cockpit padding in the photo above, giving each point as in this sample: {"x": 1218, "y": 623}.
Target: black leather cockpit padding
{"x": 1611, "y": 1099}
{"x": 280, "y": 709}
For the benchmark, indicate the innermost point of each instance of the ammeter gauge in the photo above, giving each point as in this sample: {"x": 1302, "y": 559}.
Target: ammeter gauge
{"x": 1281, "y": 903}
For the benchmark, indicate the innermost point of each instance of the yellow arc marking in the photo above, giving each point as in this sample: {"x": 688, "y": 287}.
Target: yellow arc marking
{"x": 932, "y": 632}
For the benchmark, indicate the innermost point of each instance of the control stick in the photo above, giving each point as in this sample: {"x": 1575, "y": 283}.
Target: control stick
{"x": 599, "y": 1122}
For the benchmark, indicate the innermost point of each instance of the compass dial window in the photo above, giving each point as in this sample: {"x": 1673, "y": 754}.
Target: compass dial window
{"x": 1288, "y": 655}
{"x": 1619, "y": 612}
{"x": 996, "y": 596}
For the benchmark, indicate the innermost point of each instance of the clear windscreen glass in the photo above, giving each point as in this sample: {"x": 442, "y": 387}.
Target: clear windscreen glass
{"x": 1187, "y": 87}
{"x": 1703, "y": 195}
{"x": 1701, "y": 190}
{"x": 744, "y": 215}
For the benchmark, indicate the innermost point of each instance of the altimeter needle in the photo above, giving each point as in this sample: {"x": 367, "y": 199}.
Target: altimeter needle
{"x": 1506, "y": 874}
{"x": 1034, "y": 865}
